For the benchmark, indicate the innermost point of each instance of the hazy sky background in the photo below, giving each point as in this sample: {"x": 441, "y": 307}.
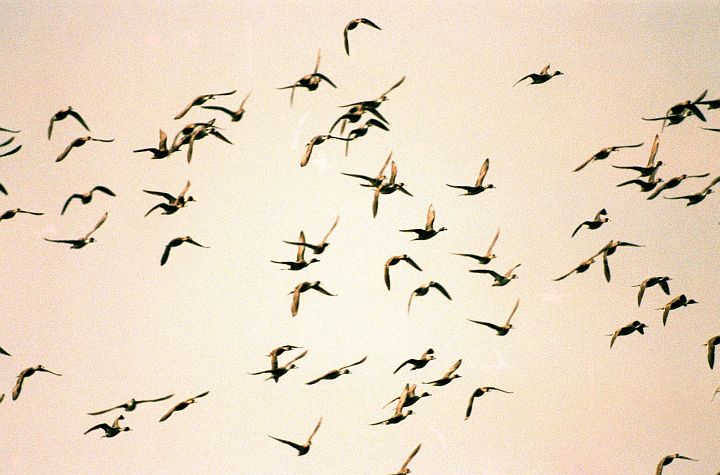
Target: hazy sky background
{"x": 118, "y": 325}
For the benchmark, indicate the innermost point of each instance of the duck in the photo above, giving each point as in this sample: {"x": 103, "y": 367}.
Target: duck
{"x": 388, "y": 187}
{"x": 416, "y": 364}
{"x": 302, "y": 449}
{"x": 645, "y": 186}
{"x": 541, "y": 77}
{"x": 688, "y": 107}
{"x": 275, "y": 352}
{"x": 352, "y": 24}
{"x": 86, "y": 198}
{"x": 582, "y": 267}
{"x": 480, "y": 392}
{"x": 336, "y": 373}
{"x": 200, "y": 100}
{"x": 396, "y": 418}
{"x": 182, "y": 405}
{"x": 11, "y": 213}
{"x": 26, "y": 373}
{"x": 162, "y": 151}
{"x": 322, "y": 245}
{"x": 599, "y": 219}
{"x": 696, "y": 198}
{"x": 362, "y": 131}
{"x": 354, "y": 115}
{"x": 662, "y": 281}
{"x": 317, "y": 140}
{"x": 62, "y": 114}
{"x": 372, "y": 182}
{"x": 500, "y": 280}
{"x": 605, "y": 153}
{"x": 309, "y": 81}
{"x": 404, "y": 470}
{"x": 299, "y": 263}
{"x": 711, "y": 344}
{"x": 176, "y": 242}
{"x": 110, "y": 431}
{"x": 394, "y": 260}
{"x": 651, "y": 168}
{"x": 429, "y": 231}
{"x": 632, "y": 327}
{"x": 448, "y": 376}
{"x": 408, "y": 396}
{"x": 235, "y": 115}
{"x": 275, "y": 371}
{"x": 130, "y": 405}
{"x": 79, "y": 142}
{"x": 501, "y": 330}
{"x": 83, "y": 241}
{"x": 374, "y": 104}
{"x": 424, "y": 289}
{"x": 478, "y": 187}
{"x": 668, "y": 120}
{"x": 173, "y": 203}
{"x": 672, "y": 183}
{"x": 199, "y": 132}
{"x": 183, "y": 136}
{"x": 489, "y": 256}
{"x": 304, "y": 287}
{"x": 668, "y": 459}
{"x": 677, "y": 302}
{"x": 608, "y": 250}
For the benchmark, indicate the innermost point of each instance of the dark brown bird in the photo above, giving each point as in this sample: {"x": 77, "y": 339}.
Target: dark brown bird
{"x": 667, "y": 460}
{"x": 362, "y": 131}
{"x": 645, "y": 186}
{"x": 86, "y": 198}
{"x": 632, "y": 327}
{"x": 173, "y": 203}
{"x": 302, "y": 449}
{"x": 488, "y": 254}
{"x": 539, "y": 78}
{"x": 428, "y": 232}
{"x": 200, "y": 100}
{"x": 372, "y": 182}
{"x": 304, "y": 287}
{"x": 398, "y": 416}
{"x": 320, "y": 247}
{"x": 162, "y": 151}
{"x": 336, "y": 373}
{"x": 83, "y": 241}
{"x": 608, "y": 250}
{"x": 309, "y": 81}
{"x": 12, "y": 212}
{"x": 582, "y": 267}
{"x": 651, "y": 168}
{"x": 299, "y": 263}
{"x": 408, "y": 397}
{"x": 479, "y": 392}
{"x": 500, "y": 280}
{"x": 110, "y": 431}
{"x": 396, "y": 260}
{"x": 176, "y": 242}
{"x": 424, "y": 289}
{"x": 62, "y": 114}
{"x": 672, "y": 183}
{"x": 388, "y": 187}
{"x": 599, "y": 219}
{"x": 448, "y": 376}
{"x": 317, "y": 140}
{"x": 275, "y": 371}
{"x": 182, "y": 405}
{"x": 130, "y": 405}
{"x": 79, "y": 142}
{"x": 711, "y": 344}
{"x": 425, "y": 358}
{"x": 26, "y": 373}
{"x": 696, "y": 198}
{"x": 235, "y": 115}
{"x": 677, "y": 302}
{"x": 501, "y": 330}
{"x": 354, "y": 24}
{"x": 478, "y": 187}
{"x": 662, "y": 281}
{"x": 605, "y": 153}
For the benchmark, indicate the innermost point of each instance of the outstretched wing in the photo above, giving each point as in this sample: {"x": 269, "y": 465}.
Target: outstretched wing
{"x": 324, "y": 240}
{"x": 410, "y": 457}
{"x": 103, "y": 218}
{"x": 430, "y": 218}
{"x": 353, "y": 364}
{"x": 314, "y": 431}
{"x": 483, "y": 172}
{"x": 517, "y": 304}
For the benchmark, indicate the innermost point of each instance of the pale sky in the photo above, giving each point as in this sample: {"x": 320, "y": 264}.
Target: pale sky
{"x": 117, "y": 325}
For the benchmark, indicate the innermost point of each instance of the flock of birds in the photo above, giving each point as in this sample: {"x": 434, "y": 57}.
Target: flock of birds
{"x": 380, "y": 184}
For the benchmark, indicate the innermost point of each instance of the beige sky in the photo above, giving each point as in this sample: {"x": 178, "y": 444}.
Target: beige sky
{"x": 118, "y": 325}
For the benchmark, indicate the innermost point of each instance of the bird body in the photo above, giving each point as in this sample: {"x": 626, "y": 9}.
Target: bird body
{"x": 539, "y": 78}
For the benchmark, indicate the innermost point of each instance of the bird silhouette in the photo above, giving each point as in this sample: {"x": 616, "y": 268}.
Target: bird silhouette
{"x": 309, "y": 81}
{"x": 110, "y": 430}
{"x": 79, "y": 142}
{"x": 605, "y": 153}
{"x": 304, "y": 287}
{"x": 130, "y": 405}
{"x": 352, "y": 24}
{"x": 322, "y": 245}
{"x": 394, "y": 260}
{"x": 26, "y": 373}
{"x": 404, "y": 470}
{"x": 182, "y": 405}
{"x": 478, "y": 187}
{"x": 539, "y": 78}
{"x": 500, "y": 280}
{"x": 416, "y": 364}
{"x": 428, "y": 232}
{"x": 83, "y": 241}
{"x": 501, "y": 330}
{"x": 677, "y": 302}
{"x": 662, "y": 281}
{"x": 200, "y": 100}
{"x": 64, "y": 113}
{"x": 86, "y": 198}
{"x": 424, "y": 289}
{"x": 176, "y": 242}
{"x": 235, "y": 115}
{"x": 11, "y": 213}
{"x": 336, "y": 373}
{"x": 448, "y": 376}
{"x": 632, "y": 327}
{"x": 599, "y": 219}
{"x": 304, "y": 448}
{"x": 480, "y": 392}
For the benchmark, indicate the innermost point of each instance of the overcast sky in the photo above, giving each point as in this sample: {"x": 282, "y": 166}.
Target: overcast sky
{"x": 118, "y": 325}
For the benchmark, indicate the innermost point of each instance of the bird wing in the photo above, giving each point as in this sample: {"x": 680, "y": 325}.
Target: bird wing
{"x": 376, "y": 200}
{"x": 476, "y": 393}
{"x": 3, "y": 190}
{"x": 301, "y": 248}
{"x": 410, "y": 301}
{"x": 102, "y": 140}
{"x": 158, "y": 399}
{"x": 102, "y": 426}
{"x": 600, "y": 213}
{"x": 400, "y": 367}
{"x": 442, "y": 290}
{"x": 182, "y": 113}
{"x": 221, "y": 109}
{"x": 345, "y": 37}
{"x": 606, "y": 267}
{"x": 102, "y": 220}
{"x": 522, "y": 79}
{"x": 332, "y": 228}
{"x": 483, "y": 172}
{"x": 666, "y": 312}
{"x": 711, "y": 354}
{"x": 488, "y": 271}
{"x": 402, "y": 79}
{"x": 393, "y": 173}
{"x": 106, "y": 410}
{"x": 488, "y": 324}
{"x": 712, "y": 183}
{"x": 4, "y": 352}
{"x": 385, "y": 164}
{"x": 77, "y": 117}
{"x": 402, "y": 399}
{"x": 410, "y": 457}
{"x": 170, "y": 412}
{"x": 306, "y": 156}
{"x": 545, "y": 70}
{"x": 430, "y": 218}
{"x": 314, "y": 431}
{"x": 509, "y": 273}
{"x": 664, "y": 286}
{"x": 182, "y": 193}
{"x": 376, "y": 123}
{"x": 50, "y": 127}
{"x": 166, "y": 253}
{"x": 317, "y": 63}
{"x": 7, "y": 142}
{"x": 297, "y": 358}
{"x": 72, "y": 197}
{"x": 653, "y": 151}
{"x": 297, "y": 447}
{"x": 617, "y": 147}
{"x": 578, "y": 228}
{"x": 517, "y": 304}
{"x": 103, "y": 189}
{"x": 492, "y": 244}
{"x": 584, "y": 164}
{"x": 162, "y": 194}
{"x": 65, "y": 152}
{"x": 368, "y": 22}
{"x": 641, "y": 292}
{"x": 195, "y": 243}
{"x": 320, "y": 378}
{"x": 452, "y": 369}
{"x": 353, "y": 364}
{"x": 412, "y": 263}
{"x": 386, "y": 273}
{"x": 18, "y": 385}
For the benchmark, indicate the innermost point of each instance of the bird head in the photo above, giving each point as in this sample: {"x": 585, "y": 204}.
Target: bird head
{"x": 190, "y": 198}
{"x": 691, "y": 301}
{"x": 313, "y": 260}
{"x": 558, "y": 73}
{"x": 489, "y": 186}
{"x": 442, "y": 229}
{"x": 425, "y": 394}
{"x": 125, "y": 429}
{"x": 345, "y": 371}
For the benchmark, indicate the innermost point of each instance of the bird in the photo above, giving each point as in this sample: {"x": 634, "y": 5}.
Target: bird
{"x": 3, "y": 352}
{"x": 651, "y": 168}
{"x": 408, "y": 396}
{"x": 130, "y": 405}
{"x": 12, "y": 212}
{"x": 478, "y": 187}
{"x": 110, "y": 431}
{"x": 599, "y": 219}
{"x": 302, "y": 449}
{"x": 677, "y": 302}
{"x": 299, "y": 263}
{"x": 335, "y": 373}
{"x": 424, "y": 289}
{"x": 429, "y": 231}
{"x": 86, "y": 198}
{"x": 688, "y": 107}
{"x": 662, "y": 281}
{"x": 667, "y": 460}
{"x": 539, "y": 78}
{"x": 3, "y": 129}
{"x": 198, "y": 132}
{"x": 501, "y": 330}
{"x": 182, "y": 405}
{"x": 162, "y": 151}
{"x": 200, "y": 100}
{"x": 352, "y": 24}
{"x": 362, "y": 131}
{"x": 26, "y": 373}
{"x": 309, "y": 81}
{"x": 275, "y": 352}
{"x": 79, "y": 142}
{"x": 322, "y": 245}
{"x": 304, "y": 287}
{"x": 373, "y": 104}
{"x": 62, "y": 114}
{"x": 696, "y": 198}
{"x": 672, "y": 183}
{"x": 582, "y": 267}
{"x": 404, "y": 470}
{"x": 668, "y": 120}
{"x": 388, "y": 187}
{"x": 396, "y": 260}
{"x": 354, "y": 115}
{"x": 488, "y": 254}
{"x": 500, "y": 280}
{"x": 632, "y": 327}
{"x": 398, "y": 415}
{"x": 173, "y": 203}
{"x": 375, "y": 181}
{"x": 448, "y": 376}
{"x": 711, "y": 344}
{"x": 176, "y": 242}
{"x": 425, "y": 358}
{"x": 645, "y": 186}
{"x": 83, "y": 241}
{"x": 317, "y": 140}
{"x": 275, "y": 371}
{"x": 608, "y": 250}
{"x": 605, "y": 153}
{"x": 235, "y": 115}
{"x": 479, "y": 392}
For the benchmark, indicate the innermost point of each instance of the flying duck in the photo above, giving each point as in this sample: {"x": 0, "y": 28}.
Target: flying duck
{"x": 26, "y": 373}
{"x": 677, "y": 302}
{"x": 608, "y": 250}
{"x": 336, "y": 373}
{"x": 354, "y": 24}
{"x": 599, "y": 219}
{"x": 173, "y": 203}
{"x": 500, "y": 280}
{"x": 275, "y": 371}
{"x": 83, "y": 241}
{"x": 501, "y": 330}
{"x": 388, "y": 187}
{"x": 362, "y": 131}
{"x": 130, "y": 405}
{"x": 317, "y": 140}
{"x": 667, "y": 460}
{"x": 408, "y": 396}
{"x": 176, "y": 242}
{"x": 182, "y": 405}
{"x": 162, "y": 151}
{"x": 479, "y": 392}
{"x": 404, "y": 470}
{"x": 235, "y": 115}
{"x": 672, "y": 183}
{"x": 12, "y": 212}
{"x": 488, "y": 255}
{"x": 696, "y": 198}
{"x": 632, "y": 327}
{"x": 448, "y": 376}
{"x": 428, "y": 232}
{"x": 398, "y": 416}
{"x": 320, "y": 247}
{"x": 79, "y": 142}
{"x": 200, "y": 131}
{"x": 302, "y": 449}
{"x": 478, "y": 187}
{"x": 86, "y": 198}
{"x": 299, "y": 263}
{"x": 309, "y": 81}
{"x": 396, "y": 260}
{"x": 374, "y": 104}
{"x": 651, "y": 168}
{"x": 662, "y": 281}
{"x": 645, "y": 186}
{"x": 540, "y": 78}
{"x": 62, "y": 114}
{"x": 110, "y": 431}
{"x": 605, "y": 153}
{"x": 425, "y": 358}
{"x": 424, "y": 289}
{"x": 304, "y": 287}
{"x": 200, "y": 100}
{"x": 711, "y": 344}
{"x": 372, "y": 182}
{"x": 582, "y": 267}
